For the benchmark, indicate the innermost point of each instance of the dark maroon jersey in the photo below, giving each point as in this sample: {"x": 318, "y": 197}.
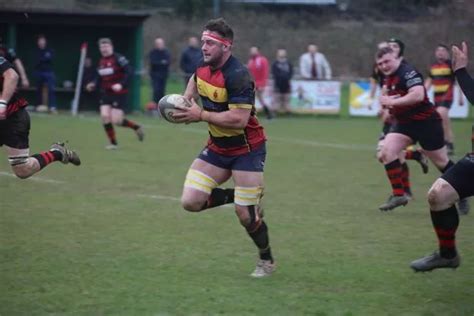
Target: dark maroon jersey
{"x": 398, "y": 83}
{"x": 111, "y": 70}
{"x": 16, "y": 102}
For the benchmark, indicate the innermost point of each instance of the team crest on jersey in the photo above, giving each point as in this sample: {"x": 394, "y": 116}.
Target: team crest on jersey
{"x": 215, "y": 94}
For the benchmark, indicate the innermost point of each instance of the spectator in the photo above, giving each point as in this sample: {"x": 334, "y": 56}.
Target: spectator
{"x": 159, "y": 68}
{"x": 45, "y": 74}
{"x": 10, "y": 55}
{"x": 190, "y": 58}
{"x": 90, "y": 72}
{"x": 259, "y": 68}
{"x": 282, "y": 71}
{"x": 313, "y": 65}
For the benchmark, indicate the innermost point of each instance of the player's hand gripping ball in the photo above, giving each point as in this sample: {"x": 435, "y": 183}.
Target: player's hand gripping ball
{"x": 168, "y": 103}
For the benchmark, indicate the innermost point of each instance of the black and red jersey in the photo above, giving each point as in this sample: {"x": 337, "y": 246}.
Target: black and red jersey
{"x": 16, "y": 102}
{"x": 8, "y": 53}
{"x": 398, "y": 83}
{"x": 229, "y": 87}
{"x": 443, "y": 79}
{"x": 111, "y": 70}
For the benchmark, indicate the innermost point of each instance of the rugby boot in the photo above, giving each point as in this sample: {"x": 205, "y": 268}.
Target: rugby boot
{"x": 68, "y": 155}
{"x": 393, "y": 202}
{"x": 140, "y": 133}
{"x": 264, "y": 268}
{"x": 435, "y": 261}
{"x": 423, "y": 163}
{"x": 463, "y": 206}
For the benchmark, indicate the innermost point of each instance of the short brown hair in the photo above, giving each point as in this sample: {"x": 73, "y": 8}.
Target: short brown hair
{"x": 221, "y": 27}
{"x": 104, "y": 40}
{"x": 383, "y": 51}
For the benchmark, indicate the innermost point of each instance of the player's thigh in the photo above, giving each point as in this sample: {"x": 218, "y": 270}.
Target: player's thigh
{"x": 442, "y": 195}
{"x": 106, "y": 110}
{"x": 438, "y": 157}
{"x": 15, "y": 131}
{"x": 201, "y": 179}
{"x": 394, "y": 143}
{"x": 117, "y": 115}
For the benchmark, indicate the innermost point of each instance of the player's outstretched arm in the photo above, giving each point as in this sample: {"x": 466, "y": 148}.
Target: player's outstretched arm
{"x": 191, "y": 89}
{"x": 465, "y": 81}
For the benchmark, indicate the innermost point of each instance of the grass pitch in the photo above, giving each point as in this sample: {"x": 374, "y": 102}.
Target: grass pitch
{"x": 109, "y": 237}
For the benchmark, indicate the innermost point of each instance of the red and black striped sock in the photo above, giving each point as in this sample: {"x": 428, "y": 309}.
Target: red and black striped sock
{"x": 47, "y": 157}
{"x": 130, "y": 124}
{"x": 445, "y": 224}
{"x": 406, "y": 178}
{"x": 411, "y": 154}
{"x": 394, "y": 174}
{"x": 110, "y": 131}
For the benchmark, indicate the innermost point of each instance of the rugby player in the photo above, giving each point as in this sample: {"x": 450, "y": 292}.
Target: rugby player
{"x": 416, "y": 120}
{"x": 457, "y": 183}
{"x": 409, "y": 153}
{"x": 113, "y": 74}
{"x": 441, "y": 77}
{"x": 236, "y": 146}
{"x": 10, "y": 55}
{"x": 15, "y": 129}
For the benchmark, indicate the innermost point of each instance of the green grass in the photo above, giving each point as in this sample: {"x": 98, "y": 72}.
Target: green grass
{"x": 98, "y": 243}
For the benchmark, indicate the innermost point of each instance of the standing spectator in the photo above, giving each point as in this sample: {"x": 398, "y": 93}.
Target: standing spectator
{"x": 259, "y": 68}
{"x": 10, "y": 55}
{"x": 313, "y": 65}
{"x": 282, "y": 71}
{"x": 190, "y": 58}
{"x": 159, "y": 68}
{"x": 45, "y": 74}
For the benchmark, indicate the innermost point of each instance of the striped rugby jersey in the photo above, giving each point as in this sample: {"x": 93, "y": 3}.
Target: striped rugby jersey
{"x": 443, "y": 81}
{"x": 16, "y": 102}
{"x": 229, "y": 87}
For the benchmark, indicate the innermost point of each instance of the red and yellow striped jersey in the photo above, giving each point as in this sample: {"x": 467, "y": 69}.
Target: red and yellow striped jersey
{"x": 229, "y": 87}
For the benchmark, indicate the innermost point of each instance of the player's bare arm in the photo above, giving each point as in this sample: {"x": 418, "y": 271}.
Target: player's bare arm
{"x": 9, "y": 84}
{"x": 191, "y": 89}
{"x": 415, "y": 94}
{"x": 25, "y": 83}
{"x": 234, "y": 118}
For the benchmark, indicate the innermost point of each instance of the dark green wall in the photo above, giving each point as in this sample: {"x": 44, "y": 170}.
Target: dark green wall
{"x": 66, "y": 40}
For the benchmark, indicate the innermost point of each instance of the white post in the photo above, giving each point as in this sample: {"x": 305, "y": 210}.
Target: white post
{"x": 80, "y": 71}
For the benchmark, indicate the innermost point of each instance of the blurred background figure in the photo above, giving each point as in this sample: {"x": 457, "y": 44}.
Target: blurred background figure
{"x": 190, "y": 58}
{"x": 259, "y": 68}
{"x": 10, "y": 55}
{"x": 282, "y": 72}
{"x": 314, "y": 65}
{"x": 441, "y": 78}
{"x": 160, "y": 60}
{"x": 45, "y": 77}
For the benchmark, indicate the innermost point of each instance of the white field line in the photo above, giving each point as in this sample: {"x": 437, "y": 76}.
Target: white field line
{"x": 295, "y": 141}
{"x": 158, "y": 197}
{"x": 33, "y": 178}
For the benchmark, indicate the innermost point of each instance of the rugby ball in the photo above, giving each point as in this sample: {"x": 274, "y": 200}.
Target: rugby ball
{"x": 167, "y": 106}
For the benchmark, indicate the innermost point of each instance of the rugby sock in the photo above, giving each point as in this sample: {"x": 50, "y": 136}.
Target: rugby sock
{"x": 130, "y": 124}
{"x": 411, "y": 154}
{"x": 445, "y": 224}
{"x": 262, "y": 241}
{"x": 406, "y": 178}
{"x": 109, "y": 130}
{"x": 47, "y": 157}
{"x": 394, "y": 174}
{"x": 446, "y": 168}
{"x": 219, "y": 197}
